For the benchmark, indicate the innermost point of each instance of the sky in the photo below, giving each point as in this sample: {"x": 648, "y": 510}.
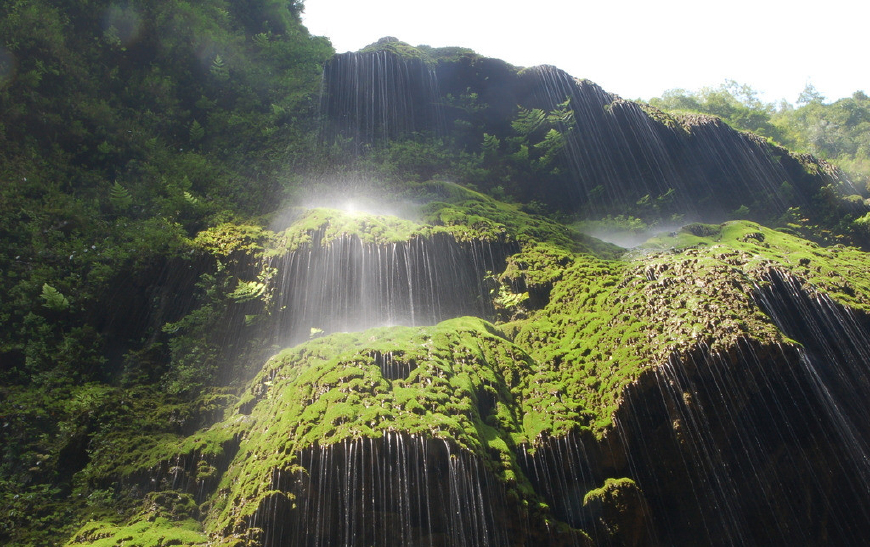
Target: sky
{"x": 634, "y": 49}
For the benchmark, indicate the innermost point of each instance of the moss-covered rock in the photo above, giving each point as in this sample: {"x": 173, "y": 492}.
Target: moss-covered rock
{"x": 594, "y": 332}
{"x": 620, "y": 512}
{"x": 456, "y": 381}
{"x": 166, "y": 518}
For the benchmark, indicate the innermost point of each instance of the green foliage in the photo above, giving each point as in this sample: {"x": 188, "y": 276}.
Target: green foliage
{"x": 248, "y": 290}
{"x": 166, "y": 518}
{"x": 406, "y": 51}
{"x": 141, "y": 142}
{"x": 504, "y": 299}
{"x": 537, "y": 149}
{"x": 53, "y": 299}
{"x": 839, "y": 131}
{"x": 528, "y": 121}
{"x": 737, "y": 104}
{"x": 219, "y": 69}
{"x": 863, "y": 224}
{"x": 197, "y": 131}
{"x": 229, "y": 238}
{"x": 550, "y": 148}
{"x": 120, "y": 197}
{"x": 490, "y": 145}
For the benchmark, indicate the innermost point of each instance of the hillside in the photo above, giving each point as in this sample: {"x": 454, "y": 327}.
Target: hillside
{"x": 256, "y": 293}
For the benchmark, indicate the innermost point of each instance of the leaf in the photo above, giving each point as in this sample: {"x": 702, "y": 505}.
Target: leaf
{"x": 197, "y": 131}
{"x": 119, "y": 197}
{"x": 53, "y": 299}
{"x": 528, "y": 121}
{"x": 248, "y": 290}
{"x": 218, "y": 69}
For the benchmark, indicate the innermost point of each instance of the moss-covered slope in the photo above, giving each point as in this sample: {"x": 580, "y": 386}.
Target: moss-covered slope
{"x": 595, "y": 335}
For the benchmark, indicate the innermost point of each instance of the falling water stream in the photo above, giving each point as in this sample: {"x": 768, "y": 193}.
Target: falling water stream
{"x": 349, "y": 285}
{"x": 370, "y": 97}
{"x": 736, "y": 447}
{"x": 399, "y": 489}
{"x": 769, "y": 441}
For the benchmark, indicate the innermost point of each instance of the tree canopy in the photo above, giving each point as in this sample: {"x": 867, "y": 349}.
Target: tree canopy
{"x": 837, "y": 131}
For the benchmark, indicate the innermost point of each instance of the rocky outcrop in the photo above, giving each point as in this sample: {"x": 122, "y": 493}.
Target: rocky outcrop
{"x": 707, "y": 388}
{"x": 614, "y": 154}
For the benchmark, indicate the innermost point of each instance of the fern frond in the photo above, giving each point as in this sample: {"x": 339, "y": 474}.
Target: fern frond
{"x": 120, "y": 197}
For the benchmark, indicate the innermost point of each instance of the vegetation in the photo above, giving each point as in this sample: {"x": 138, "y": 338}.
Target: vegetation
{"x": 154, "y": 163}
{"x": 838, "y": 131}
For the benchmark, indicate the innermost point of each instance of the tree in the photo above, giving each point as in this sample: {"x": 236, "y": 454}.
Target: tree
{"x": 809, "y": 95}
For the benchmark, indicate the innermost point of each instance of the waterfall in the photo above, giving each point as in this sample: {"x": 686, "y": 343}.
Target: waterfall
{"x": 619, "y": 151}
{"x": 371, "y": 97}
{"x": 561, "y": 472}
{"x": 399, "y": 489}
{"x": 835, "y": 358}
{"x": 349, "y": 285}
{"x": 759, "y": 445}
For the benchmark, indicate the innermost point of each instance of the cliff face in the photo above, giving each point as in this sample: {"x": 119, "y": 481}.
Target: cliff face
{"x": 707, "y": 388}
{"x": 585, "y": 148}
{"x": 464, "y": 372}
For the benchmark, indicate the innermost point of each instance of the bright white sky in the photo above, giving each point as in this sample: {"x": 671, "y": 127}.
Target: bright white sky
{"x": 636, "y": 49}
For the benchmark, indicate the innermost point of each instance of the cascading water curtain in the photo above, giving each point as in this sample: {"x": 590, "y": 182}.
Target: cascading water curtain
{"x": 348, "y": 285}
{"x": 760, "y": 445}
{"x": 400, "y": 489}
{"x": 371, "y": 97}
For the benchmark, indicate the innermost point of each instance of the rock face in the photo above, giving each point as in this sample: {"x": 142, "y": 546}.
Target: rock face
{"x": 474, "y": 375}
{"x": 377, "y": 96}
{"x": 611, "y": 152}
{"x": 351, "y": 285}
{"x": 472, "y": 372}
{"x": 708, "y": 389}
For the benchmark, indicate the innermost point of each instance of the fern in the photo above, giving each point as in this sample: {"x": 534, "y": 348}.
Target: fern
{"x": 491, "y": 144}
{"x": 528, "y": 121}
{"x": 120, "y": 198}
{"x": 197, "y": 131}
{"x": 218, "y": 69}
{"x": 53, "y": 299}
{"x": 562, "y": 114}
{"x": 261, "y": 39}
{"x": 248, "y": 290}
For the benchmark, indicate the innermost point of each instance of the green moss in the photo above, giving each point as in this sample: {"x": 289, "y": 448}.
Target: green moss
{"x": 164, "y": 518}
{"x": 591, "y": 327}
{"x": 332, "y": 389}
{"x": 608, "y": 322}
{"x": 610, "y": 488}
{"x": 841, "y": 272}
{"x": 144, "y": 533}
{"x": 445, "y": 208}
{"x": 459, "y": 209}
{"x": 330, "y": 224}
{"x": 619, "y": 511}
{"x": 538, "y": 266}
